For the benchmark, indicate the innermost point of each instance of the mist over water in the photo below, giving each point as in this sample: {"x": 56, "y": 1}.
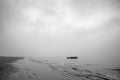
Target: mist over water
{"x": 83, "y": 28}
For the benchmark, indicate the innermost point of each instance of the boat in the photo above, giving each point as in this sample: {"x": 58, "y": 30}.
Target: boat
{"x": 72, "y": 57}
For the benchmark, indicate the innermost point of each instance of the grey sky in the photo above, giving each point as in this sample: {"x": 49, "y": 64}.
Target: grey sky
{"x": 86, "y": 28}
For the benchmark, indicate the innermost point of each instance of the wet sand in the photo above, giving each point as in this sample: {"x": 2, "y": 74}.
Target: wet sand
{"x": 6, "y": 67}
{"x": 53, "y": 69}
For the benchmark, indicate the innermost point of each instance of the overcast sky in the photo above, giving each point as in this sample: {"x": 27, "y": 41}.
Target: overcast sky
{"x": 86, "y": 28}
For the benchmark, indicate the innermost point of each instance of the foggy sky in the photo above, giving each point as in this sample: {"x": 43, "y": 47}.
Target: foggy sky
{"x": 86, "y": 28}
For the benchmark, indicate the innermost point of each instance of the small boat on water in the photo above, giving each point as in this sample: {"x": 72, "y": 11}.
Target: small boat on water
{"x": 72, "y": 57}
